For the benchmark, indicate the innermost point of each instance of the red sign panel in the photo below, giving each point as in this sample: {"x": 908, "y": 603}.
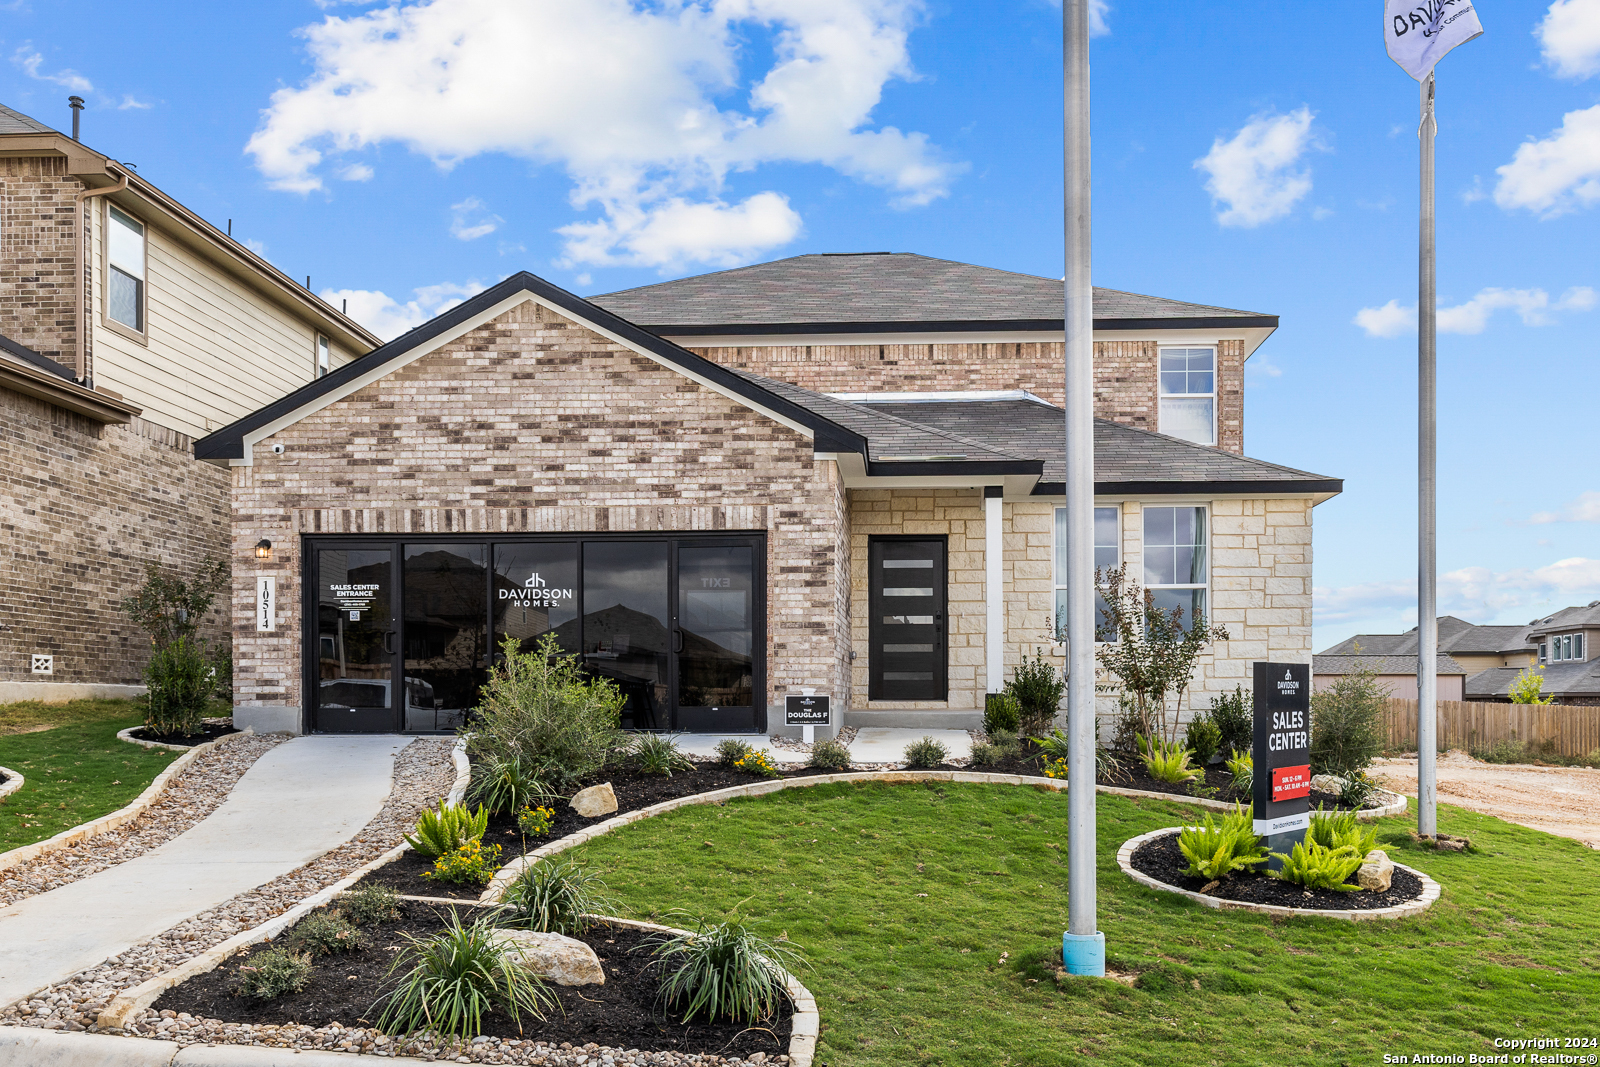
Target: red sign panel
{"x": 1290, "y": 782}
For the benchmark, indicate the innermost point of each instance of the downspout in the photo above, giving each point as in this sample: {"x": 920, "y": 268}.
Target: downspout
{"x": 82, "y": 364}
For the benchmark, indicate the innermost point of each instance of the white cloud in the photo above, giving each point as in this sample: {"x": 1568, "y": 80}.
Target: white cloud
{"x": 1533, "y": 306}
{"x": 1253, "y": 174}
{"x": 356, "y": 172}
{"x": 471, "y": 219}
{"x": 129, "y": 102}
{"x": 1586, "y": 508}
{"x": 1569, "y": 36}
{"x": 1099, "y": 10}
{"x": 1558, "y": 174}
{"x": 677, "y": 231}
{"x": 1474, "y": 593}
{"x": 644, "y": 105}
{"x": 388, "y": 318}
{"x": 30, "y": 61}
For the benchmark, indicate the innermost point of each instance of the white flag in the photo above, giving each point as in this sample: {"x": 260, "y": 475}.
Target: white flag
{"x": 1419, "y": 32}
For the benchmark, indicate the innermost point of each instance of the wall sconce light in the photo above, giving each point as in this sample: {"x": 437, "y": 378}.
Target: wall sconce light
{"x": 263, "y": 549}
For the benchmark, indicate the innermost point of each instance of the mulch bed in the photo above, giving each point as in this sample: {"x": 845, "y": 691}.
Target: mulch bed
{"x": 621, "y": 1013}
{"x": 210, "y": 732}
{"x": 1161, "y": 859}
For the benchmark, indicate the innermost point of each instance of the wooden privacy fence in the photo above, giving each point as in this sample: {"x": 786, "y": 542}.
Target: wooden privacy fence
{"x": 1556, "y": 729}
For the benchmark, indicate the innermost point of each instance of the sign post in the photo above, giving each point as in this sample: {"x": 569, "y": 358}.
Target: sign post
{"x": 1281, "y": 779}
{"x": 807, "y": 712}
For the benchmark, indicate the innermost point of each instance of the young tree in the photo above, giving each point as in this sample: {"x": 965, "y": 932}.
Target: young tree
{"x": 1528, "y": 687}
{"x": 170, "y": 609}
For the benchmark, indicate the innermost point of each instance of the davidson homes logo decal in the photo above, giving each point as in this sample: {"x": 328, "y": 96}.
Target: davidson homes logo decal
{"x": 534, "y": 593}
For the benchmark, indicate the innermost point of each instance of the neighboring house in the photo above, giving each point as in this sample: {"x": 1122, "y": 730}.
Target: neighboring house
{"x": 712, "y": 530}
{"x": 128, "y": 327}
{"x": 1396, "y": 674}
{"x": 1564, "y": 646}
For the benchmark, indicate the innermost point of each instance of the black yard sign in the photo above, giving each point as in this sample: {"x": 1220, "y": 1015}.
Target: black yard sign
{"x": 1281, "y": 790}
{"x": 805, "y": 711}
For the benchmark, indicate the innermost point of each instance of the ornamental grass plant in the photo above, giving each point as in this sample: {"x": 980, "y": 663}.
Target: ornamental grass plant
{"x": 556, "y": 898}
{"x": 1242, "y": 766}
{"x": 447, "y": 982}
{"x": 506, "y": 782}
{"x": 724, "y": 971}
{"x": 658, "y": 755}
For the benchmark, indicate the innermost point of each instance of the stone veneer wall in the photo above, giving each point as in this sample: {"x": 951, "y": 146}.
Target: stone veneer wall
{"x": 83, "y": 509}
{"x": 37, "y": 257}
{"x": 1125, "y": 374}
{"x": 533, "y": 423}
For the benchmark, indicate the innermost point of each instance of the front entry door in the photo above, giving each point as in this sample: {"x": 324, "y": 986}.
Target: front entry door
{"x": 906, "y": 630}
{"x": 715, "y": 638}
{"x": 356, "y": 631}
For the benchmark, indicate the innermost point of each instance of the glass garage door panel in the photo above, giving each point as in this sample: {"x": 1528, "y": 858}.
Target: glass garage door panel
{"x": 906, "y": 628}
{"x": 355, "y": 640}
{"x": 445, "y": 638}
{"x": 716, "y": 662}
{"x": 627, "y": 625}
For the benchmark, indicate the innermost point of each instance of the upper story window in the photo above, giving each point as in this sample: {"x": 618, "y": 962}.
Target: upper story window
{"x": 125, "y": 256}
{"x": 322, "y": 356}
{"x": 1176, "y": 571}
{"x": 1106, "y": 556}
{"x": 1188, "y": 394}
{"x": 1561, "y": 648}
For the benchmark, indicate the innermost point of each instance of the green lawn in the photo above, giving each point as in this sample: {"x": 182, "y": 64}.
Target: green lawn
{"x": 75, "y": 771}
{"x": 932, "y": 916}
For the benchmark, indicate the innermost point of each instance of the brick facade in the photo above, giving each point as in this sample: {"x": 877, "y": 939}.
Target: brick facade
{"x": 37, "y": 256}
{"x": 1125, "y": 374}
{"x": 83, "y": 508}
{"x": 532, "y": 422}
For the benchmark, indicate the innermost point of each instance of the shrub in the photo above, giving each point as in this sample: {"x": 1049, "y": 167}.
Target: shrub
{"x": 1204, "y": 737}
{"x": 924, "y": 753}
{"x": 1243, "y": 769}
{"x": 1038, "y": 690}
{"x": 323, "y": 932}
{"x": 535, "y": 822}
{"x": 471, "y": 864}
{"x": 1528, "y": 687}
{"x": 1235, "y": 717}
{"x": 446, "y": 828}
{"x": 730, "y": 750}
{"x": 171, "y": 609}
{"x": 180, "y": 678}
{"x": 1358, "y": 789}
{"x": 1347, "y": 723}
{"x": 1317, "y": 867}
{"x": 724, "y": 972}
{"x": 756, "y": 761}
{"x": 829, "y": 754}
{"x": 273, "y": 973}
{"x": 449, "y": 980}
{"x": 554, "y": 898}
{"x": 990, "y": 753}
{"x": 1341, "y": 829}
{"x": 1166, "y": 762}
{"x": 222, "y": 678}
{"x": 659, "y": 755}
{"x": 1215, "y": 850}
{"x": 504, "y": 781}
{"x": 370, "y": 905}
{"x": 1001, "y": 714}
{"x": 539, "y": 707}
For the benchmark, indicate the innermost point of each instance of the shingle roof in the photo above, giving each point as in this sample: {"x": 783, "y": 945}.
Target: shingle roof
{"x": 16, "y": 122}
{"x": 24, "y": 354}
{"x": 880, "y": 289}
{"x": 1573, "y": 618}
{"x": 1122, "y": 454}
{"x": 1561, "y": 680}
{"x": 1455, "y": 635}
{"x": 1382, "y": 664}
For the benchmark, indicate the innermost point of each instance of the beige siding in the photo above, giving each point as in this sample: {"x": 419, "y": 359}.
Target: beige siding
{"x": 215, "y": 348}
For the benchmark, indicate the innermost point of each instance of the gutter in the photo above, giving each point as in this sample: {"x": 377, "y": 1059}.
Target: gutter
{"x": 65, "y": 393}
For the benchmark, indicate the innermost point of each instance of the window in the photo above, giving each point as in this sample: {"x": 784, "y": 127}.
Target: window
{"x": 125, "y": 273}
{"x": 1563, "y": 648}
{"x": 322, "y": 356}
{"x": 1175, "y": 567}
{"x": 1106, "y": 555}
{"x": 1188, "y": 394}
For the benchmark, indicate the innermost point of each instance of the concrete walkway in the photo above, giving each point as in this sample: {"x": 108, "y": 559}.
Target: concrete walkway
{"x": 303, "y": 798}
{"x": 871, "y": 745}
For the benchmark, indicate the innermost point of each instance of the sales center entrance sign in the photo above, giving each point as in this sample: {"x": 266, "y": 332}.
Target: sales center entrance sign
{"x": 1281, "y": 781}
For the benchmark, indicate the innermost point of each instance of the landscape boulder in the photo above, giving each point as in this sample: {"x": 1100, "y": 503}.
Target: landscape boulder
{"x": 596, "y": 800}
{"x": 1376, "y": 871}
{"x": 564, "y": 960}
{"x": 1331, "y": 784}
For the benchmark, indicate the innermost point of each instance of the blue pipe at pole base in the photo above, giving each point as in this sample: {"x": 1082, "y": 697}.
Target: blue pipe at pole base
{"x": 1084, "y": 954}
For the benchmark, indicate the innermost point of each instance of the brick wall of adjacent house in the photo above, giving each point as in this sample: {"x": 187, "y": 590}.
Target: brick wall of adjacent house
{"x": 1125, "y": 374}
{"x": 38, "y": 228}
{"x": 532, "y": 423}
{"x": 83, "y": 508}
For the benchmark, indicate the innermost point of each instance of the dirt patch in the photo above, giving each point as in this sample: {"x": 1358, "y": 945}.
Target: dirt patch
{"x": 36, "y": 728}
{"x": 1558, "y": 800}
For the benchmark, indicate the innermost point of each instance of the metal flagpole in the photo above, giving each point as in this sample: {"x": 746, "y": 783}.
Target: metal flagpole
{"x": 1427, "y": 489}
{"x": 1083, "y": 947}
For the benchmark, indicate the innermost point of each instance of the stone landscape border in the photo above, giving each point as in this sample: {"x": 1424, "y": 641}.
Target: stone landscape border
{"x": 12, "y": 783}
{"x": 1397, "y": 806}
{"x": 1430, "y": 892}
{"x": 94, "y": 827}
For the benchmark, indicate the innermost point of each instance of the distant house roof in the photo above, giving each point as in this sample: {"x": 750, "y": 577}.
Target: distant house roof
{"x": 1574, "y": 618}
{"x": 1561, "y": 680}
{"x": 1327, "y": 664}
{"x": 16, "y": 122}
{"x": 891, "y": 291}
{"x": 1455, "y": 635}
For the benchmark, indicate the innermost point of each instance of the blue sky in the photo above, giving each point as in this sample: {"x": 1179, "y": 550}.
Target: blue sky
{"x": 1253, "y": 155}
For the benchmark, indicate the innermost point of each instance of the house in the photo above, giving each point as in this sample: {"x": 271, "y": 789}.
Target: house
{"x": 831, "y": 472}
{"x": 1397, "y": 675}
{"x": 129, "y": 327}
{"x": 1563, "y": 644}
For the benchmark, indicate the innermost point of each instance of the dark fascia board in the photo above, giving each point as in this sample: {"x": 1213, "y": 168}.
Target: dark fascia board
{"x": 28, "y": 355}
{"x": 228, "y": 442}
{"x": 1217, "y": 322}
{"x": 1242, "y": 488}
{"x": 977, "y": 468}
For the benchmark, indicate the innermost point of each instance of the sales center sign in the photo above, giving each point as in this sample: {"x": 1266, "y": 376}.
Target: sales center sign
{"x": 1281, "y": 790}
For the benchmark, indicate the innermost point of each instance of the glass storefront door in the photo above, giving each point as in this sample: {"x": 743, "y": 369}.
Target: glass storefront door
{"x": 355, "y": 632}
{"x": 446, "y": 638}
{"x": 715, "y": 639}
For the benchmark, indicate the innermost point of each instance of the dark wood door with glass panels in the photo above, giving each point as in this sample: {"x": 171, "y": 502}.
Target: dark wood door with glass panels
{"x": 906, "y": 595}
